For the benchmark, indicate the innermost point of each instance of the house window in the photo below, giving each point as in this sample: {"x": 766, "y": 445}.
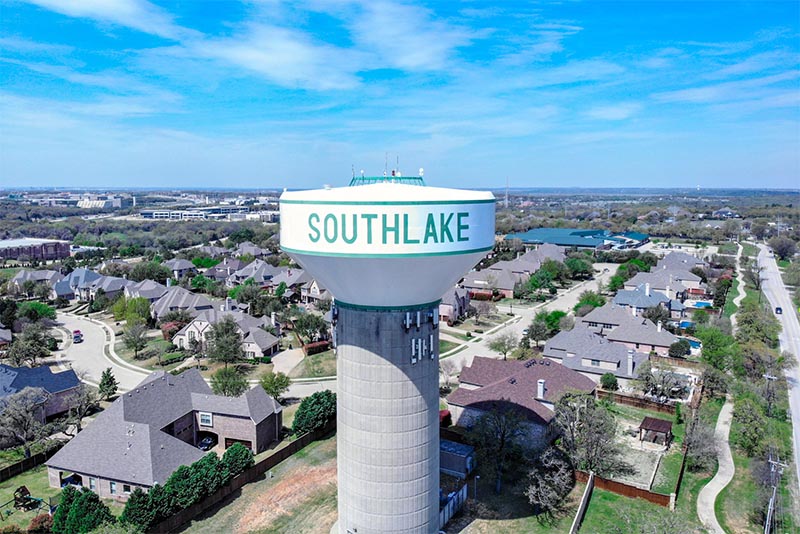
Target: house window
{"x": 126, "y": 489}
{"x": 206, "y": 419}
{"x": 93, "y": 484}
{"x": 191, "y": 335}
{"x": 595, "y": 363}
{"x": 113, "y": 488}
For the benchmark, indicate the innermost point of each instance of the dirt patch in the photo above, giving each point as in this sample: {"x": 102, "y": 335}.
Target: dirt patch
{"x": 285, "y": 496}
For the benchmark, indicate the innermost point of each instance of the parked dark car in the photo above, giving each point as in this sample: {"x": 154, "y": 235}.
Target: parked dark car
{"x": 207, "y": 443}
{"x": 778, "y": 310}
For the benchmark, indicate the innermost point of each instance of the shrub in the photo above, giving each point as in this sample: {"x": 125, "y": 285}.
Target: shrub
{"x": 68, "y": 495}
{"x": 86, "y": 513}
{"x": 138, "y": 510}
{"x": 315, "y": 412}
{"x": 316, "y": 347}
{"x": 237, "y": 459}
{"x": 41, "y": 524}
{"x": 609, "y": 382}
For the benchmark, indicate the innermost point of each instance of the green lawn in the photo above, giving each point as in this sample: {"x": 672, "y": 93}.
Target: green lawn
{"x": 37, "y": 483}
{"x": 730, "y": 307}
{"x": 17, "y": 454}
{"x": 735, "y": 502}
{"x": 455, "y": 333}
{"x": 609, "y": 512}
{"x": 783, "y": 263}
{"x": 728, "y": 248}
{"x": 668, "y": 471}
{"x": 632, "y": 414}
{"x": 315, "y": 366}
{"x": 445, "y": 346}
{"x": 155, "y": 344}
{"x": 749, "y": 250}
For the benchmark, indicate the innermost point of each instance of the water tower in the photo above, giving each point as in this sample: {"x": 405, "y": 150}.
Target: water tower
{"x": 387, "y": 249}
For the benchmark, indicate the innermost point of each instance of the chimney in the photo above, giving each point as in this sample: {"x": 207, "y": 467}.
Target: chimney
{"x": 630, "y": 362}
{"x": 633, "y": 311}
{"x": 169, "y": 282}
{"x": 647, "y": 289}
{"x": 540, "y": 388}
{"x": 658, "y": 326}
{"x": 228, "y": 304}
{"x": 667, "y": 292}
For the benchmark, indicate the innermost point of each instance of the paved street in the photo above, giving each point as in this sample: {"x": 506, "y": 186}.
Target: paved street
{"x": 778, "y": 295}
{"x": 89, "y": 357}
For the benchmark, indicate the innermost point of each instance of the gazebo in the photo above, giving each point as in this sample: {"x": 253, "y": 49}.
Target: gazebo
{"x": 652, "y": 429}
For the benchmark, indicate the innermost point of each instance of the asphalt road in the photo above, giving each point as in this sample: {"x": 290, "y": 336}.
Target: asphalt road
{"x": 778, "y": 295}
{"x": 88, "y": 358}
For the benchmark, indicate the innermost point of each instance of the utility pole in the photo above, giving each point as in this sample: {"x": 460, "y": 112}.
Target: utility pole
{"x": 776, "y": 470}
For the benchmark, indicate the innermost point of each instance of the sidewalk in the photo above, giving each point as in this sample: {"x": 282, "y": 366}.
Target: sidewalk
{"x": 708, "y": 495}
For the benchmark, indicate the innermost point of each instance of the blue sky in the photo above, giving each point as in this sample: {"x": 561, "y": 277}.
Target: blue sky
{"x": 282, "y": 94}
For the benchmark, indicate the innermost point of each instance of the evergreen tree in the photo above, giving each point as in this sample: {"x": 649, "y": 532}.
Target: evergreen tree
{"x": 108, "y": 384}
{"x": 68, "y": 496}
{"x": 86, "y": 513}
{"x": 138, "y": 511}
{"x": 315, "y": 412}
{"x": 237, "y": 459}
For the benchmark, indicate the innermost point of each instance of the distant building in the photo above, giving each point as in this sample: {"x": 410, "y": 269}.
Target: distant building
{"x": 581, "y": 238}
{"x": 180, "y": 268}
{"x": 32, "y": 248}
{"x": 454, "y": 305}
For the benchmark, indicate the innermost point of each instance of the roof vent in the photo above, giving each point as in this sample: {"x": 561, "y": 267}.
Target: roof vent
{"x": 512, "y": 380}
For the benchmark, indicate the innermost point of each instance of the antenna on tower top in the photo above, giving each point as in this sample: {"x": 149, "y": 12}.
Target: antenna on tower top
{"x": 352, "y": 166}
{"x": 385, "y": 163}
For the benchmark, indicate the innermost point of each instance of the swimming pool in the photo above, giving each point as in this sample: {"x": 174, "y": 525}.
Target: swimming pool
{"x": 703, "y": 304}
{"x": 695, "y": 344}
{"x": 686, "y": 324}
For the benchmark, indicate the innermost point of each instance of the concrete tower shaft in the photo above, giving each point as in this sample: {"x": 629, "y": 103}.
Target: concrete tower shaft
{"x": 387, "y": 420}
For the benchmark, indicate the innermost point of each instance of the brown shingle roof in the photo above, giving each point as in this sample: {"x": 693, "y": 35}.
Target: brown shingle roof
{"x": 656, "y": 425}
{"x": 516, "y": 382}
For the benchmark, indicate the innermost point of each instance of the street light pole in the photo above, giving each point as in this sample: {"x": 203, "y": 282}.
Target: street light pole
{"x": 475, "y": 493}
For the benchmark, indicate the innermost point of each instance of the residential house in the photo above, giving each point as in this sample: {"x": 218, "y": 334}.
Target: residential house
{"x": 38, "y": 277}
{"x": 294, "y": 279}
{"x": 70, "y": 287}
{"x": 256, "y": 341}
{"x": 177, "y": 298}
{"x": 454, "y": 305}
{"x": 221, "y": 271}
{"x": 180, "y": 268}
{"x": 249, "y": 249}
{"x": 622, "y": 325}
{"x": 146, "y": 289}
{"x": 532, "y": 387}
{"x": 150, "y": 431}
{"x": 112, "y": 286}
{"x": 592, "y": 355}
{"x": 59, "y": 388}
{"x": 504, "y": 275}
{"x": 643, "y": 297}
{"x": 312, "y": 292}
{"x": 212, "y": 251}
{"x": 662, "y": 281}
{"x": 680, "y": 260}
{"x": 5, "y": 337}
{"x": 725, "y": 213}
{"x": 260, "y": 271}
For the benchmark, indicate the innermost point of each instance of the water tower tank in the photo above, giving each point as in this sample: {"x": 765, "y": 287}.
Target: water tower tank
{"x": 387, "y": 251}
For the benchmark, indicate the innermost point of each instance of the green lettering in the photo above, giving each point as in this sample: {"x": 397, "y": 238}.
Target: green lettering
{"x": 430, "y": 229}
{"x": 406, "y": 239}
{"x": 445, "y": 227}
{"x": 331, "y": 234}
{"x": 351, "y": 240}
{"x": 395, "y": 228}
{"x": 313, "y": 235}
{"x": 461, "y": 226}
{"x": 369, "y": 217}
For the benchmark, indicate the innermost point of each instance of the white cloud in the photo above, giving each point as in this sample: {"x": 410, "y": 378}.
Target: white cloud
{"x": 286, "y": 57}
{"x": 406, "y": 37}
{"x": 136, "y": 14}
{"x": 743, "y": 89}
{"x": 757, "y": 63}
{"x": 614, "y": 112}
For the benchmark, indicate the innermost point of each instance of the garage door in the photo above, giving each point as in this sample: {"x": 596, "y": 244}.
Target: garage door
{"x": 246, "y": 443}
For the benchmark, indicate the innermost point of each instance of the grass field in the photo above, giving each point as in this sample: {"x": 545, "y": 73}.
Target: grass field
{"x": 609, "y": 512}
{"x": 297, "y": 496}
{"x": 315, "y": 365}
{"x": 730, "y": 307}
{"x": 729, "y": 249}
{"x": 445, "y": 346}
{"x": 749, "y": 249}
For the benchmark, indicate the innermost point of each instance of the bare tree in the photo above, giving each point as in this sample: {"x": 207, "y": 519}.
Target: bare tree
{"x": 549, "y": 481}
{"x": 588, "y": 435}
{"x": 497, "y": 436}
{"x": 503, "y": 344}
{"x": 483, "y": 308}
{"x": 701, "y": 446}
{"x": 752, "y": 275}
{"x": 83, "y": 401}
{"x": 447, "y": 368}
{"x": 22, "y": 418}
{"x": 538, "y": 331}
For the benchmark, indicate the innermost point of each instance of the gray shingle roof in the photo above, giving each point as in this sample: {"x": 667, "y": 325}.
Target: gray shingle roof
{"x": 14, "y": 379}
{"x": 149, "y": 289}
{"x": 125, "y": 442}
{"x": 582, "y": 343}
{"x": 177, "y": 298}
{"x": 638, "y": 298}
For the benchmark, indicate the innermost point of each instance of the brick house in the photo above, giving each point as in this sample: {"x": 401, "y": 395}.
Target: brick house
{"x": 532, "y": 387}
{"x": 59, "y": 388}
{"x": 153, "y": 429}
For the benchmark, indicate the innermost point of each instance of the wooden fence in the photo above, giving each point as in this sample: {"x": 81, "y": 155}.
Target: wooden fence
{"x": 636, "y": 402}
{"x": 453, "y": 505}
{"x": 252, "y": 474}
{"x": 579, "y": 515}
{"x": 29, "y": 463}
{"x": 620, "y": 488}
